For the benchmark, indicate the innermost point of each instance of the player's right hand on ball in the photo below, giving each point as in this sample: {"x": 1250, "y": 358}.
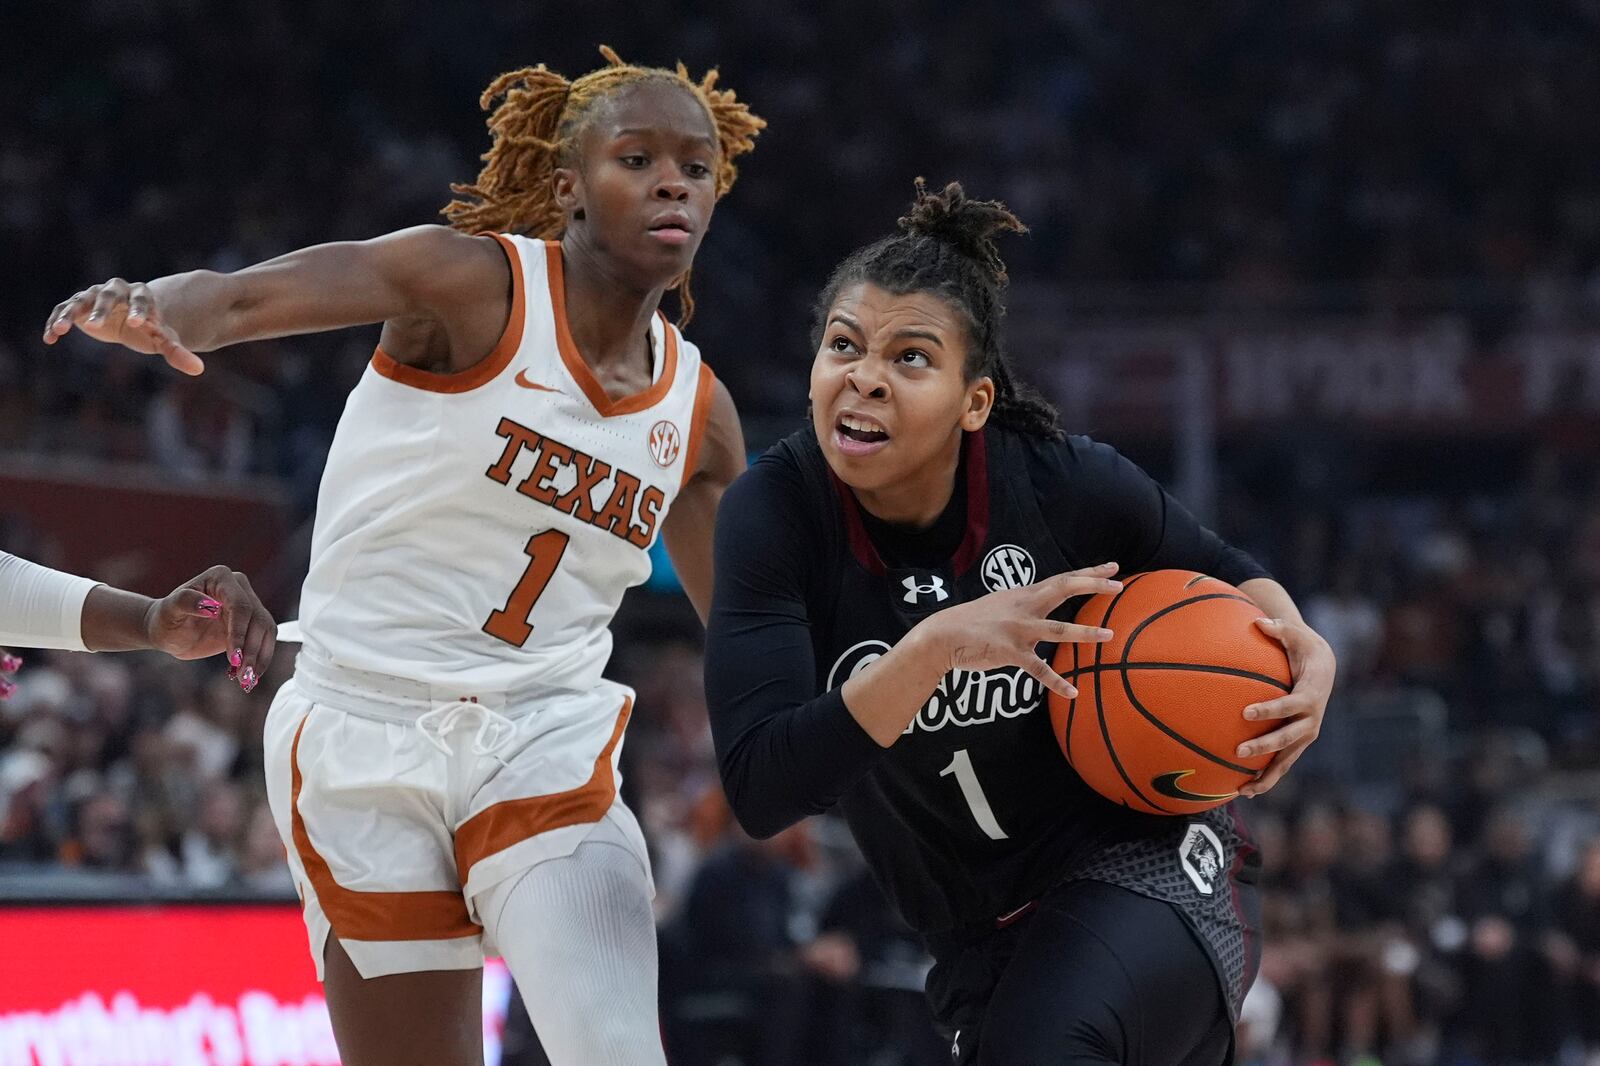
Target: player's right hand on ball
{"x": 1005, "y": 628}
{"x": 125, "y": 313}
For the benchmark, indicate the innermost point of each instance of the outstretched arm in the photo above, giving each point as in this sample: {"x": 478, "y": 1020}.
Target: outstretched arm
{"x": 216, "y": 611}
{"x": 426, "y": 272}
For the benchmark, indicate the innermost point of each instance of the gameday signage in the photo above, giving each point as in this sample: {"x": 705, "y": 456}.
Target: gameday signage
{"x": 181, "y": 985}
{"x": 1430, "y": 374}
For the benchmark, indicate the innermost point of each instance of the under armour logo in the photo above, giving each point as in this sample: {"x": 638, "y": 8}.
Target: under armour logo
{"x": 934, "y": 587}
{"x": 955, "y": 1047}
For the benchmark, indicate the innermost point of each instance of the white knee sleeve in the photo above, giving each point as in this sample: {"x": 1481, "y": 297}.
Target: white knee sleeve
{"x": 579, "y": 937}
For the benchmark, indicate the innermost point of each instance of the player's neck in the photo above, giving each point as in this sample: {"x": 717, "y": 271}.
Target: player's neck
{"x": 608, "y": 316}
{"x": 916, "y": 501}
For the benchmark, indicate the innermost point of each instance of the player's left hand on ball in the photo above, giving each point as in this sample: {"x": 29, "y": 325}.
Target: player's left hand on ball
{"x": 1312, "y": 666}
{"x": 9, "y": 665}
{"x": 215, "y": 612}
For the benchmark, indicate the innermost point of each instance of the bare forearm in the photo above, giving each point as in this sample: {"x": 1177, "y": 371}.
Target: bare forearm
{"x": 309, "y": 291}
{"x": 115, "y": 620}
{"x": 887, "y": 695}
{"x": 197, "y": 305}
{"x": 1272, "y": 598}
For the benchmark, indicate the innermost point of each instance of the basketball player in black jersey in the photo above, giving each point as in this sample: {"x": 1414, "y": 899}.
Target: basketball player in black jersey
{"x": 884, "y": 580}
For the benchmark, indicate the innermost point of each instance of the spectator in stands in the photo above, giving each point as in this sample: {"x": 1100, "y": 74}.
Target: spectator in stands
{"x": 1423, "y": 884}
{"x": 1509, "y": 1009}
{"x": 1578, "y": 915}
{"x": 752, "y": 982}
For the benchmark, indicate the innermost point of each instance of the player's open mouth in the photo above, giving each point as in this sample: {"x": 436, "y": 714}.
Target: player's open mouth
{"x": 858, "y": 435}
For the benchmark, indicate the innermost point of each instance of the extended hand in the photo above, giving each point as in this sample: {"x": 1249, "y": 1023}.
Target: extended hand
{"x": 1005, "y": 628}
{"x": 215, "y": 612}
{"x": 125, "y": 313}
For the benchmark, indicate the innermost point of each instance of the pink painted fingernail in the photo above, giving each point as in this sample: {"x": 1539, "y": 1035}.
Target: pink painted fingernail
{"x": 248, "y": 680}
{"x": 7, "y": 689}
{"x": 10, "y": 663}
{"x": 235, "y": 657}
{"x": 210, "y": 606}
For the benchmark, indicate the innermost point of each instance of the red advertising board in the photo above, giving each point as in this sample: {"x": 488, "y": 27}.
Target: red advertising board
{"x": 172, "y": 985}
{"x": 142, "y": 530}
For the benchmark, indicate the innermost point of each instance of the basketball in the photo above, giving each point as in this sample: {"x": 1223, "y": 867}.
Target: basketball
{"x": 1159, "y": 711}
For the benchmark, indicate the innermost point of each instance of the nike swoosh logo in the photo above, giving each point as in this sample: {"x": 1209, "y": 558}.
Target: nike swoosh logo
{"x": 1168, "y": 785}
{"x": 522, "y": 379}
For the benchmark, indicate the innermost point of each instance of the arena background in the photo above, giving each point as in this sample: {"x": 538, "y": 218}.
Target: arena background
{"x": 1330, "y": 269}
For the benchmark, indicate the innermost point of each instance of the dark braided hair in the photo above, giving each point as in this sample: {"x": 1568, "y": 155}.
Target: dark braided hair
{"x": 945, "y": 247}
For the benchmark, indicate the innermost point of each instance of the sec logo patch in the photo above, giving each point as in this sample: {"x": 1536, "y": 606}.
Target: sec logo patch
{"x": 664, "y": 443}
{"x": 1007, "y": 567}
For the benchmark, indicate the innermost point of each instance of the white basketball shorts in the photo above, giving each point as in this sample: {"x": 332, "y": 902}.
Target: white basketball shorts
{"x": 400, "y": 803}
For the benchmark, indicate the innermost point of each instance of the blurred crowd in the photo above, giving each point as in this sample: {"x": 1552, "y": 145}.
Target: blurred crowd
{"x": 1433, "y": 867}
{"x": 1246, "y": 143}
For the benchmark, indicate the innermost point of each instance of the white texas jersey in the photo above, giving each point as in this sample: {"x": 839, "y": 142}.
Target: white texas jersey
{"x": 479, "y": 528}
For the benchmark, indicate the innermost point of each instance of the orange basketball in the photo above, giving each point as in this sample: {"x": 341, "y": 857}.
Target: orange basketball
{"x": 1160, "y": 707}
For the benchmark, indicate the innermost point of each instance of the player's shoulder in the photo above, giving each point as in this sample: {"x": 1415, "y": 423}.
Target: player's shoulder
{"x": 437, "y": 262}
{"x": 435, "y": 242}
{"x": 1073, "y": 461}
{"x": 775, "y": 514}
{"x": 785, "y": 476}
{"x": 785, "y": 484}
{"x": 1082, "y": 485}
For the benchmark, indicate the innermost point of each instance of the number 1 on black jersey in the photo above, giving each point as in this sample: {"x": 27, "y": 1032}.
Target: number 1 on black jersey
{"x": 977, "y": 802}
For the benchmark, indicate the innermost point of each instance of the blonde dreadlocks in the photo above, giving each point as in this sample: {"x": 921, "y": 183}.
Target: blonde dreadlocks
{"x": 537, "y": 125}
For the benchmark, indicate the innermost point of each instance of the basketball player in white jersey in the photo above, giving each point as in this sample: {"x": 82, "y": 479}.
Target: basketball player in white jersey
{"x": 214, "y": 612}
{"x": 443, "y": 765}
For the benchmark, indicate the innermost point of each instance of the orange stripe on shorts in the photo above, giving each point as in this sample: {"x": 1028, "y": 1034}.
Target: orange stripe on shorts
{"x": 356, "y": 915}
{"x": 512, "y": 821}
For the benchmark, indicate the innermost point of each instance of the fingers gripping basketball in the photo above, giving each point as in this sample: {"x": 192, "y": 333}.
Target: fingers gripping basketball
{"x": 1160, "y": 706}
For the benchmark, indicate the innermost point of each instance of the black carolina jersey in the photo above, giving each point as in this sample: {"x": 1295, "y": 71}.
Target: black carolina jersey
{"x": 973, "y": 812}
